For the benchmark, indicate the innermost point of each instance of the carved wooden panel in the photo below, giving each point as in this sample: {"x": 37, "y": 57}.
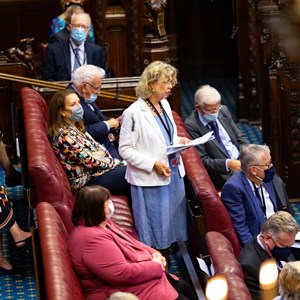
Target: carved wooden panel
{"x": 26, "y": 18}
{"x": 118, "y": 25}
{"x": 281, "y": 102}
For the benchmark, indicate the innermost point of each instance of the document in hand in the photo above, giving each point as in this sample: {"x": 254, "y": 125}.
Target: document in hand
{"x": 201, "y": 140}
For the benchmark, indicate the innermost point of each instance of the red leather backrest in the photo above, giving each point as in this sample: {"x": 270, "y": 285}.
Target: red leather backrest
{"x": 50, "y": 181}
{"x": 225, "y": 263}
{"x": 60, "y": 279}
{"x": 215, "y": 213}
{"x": 123, "y": 216}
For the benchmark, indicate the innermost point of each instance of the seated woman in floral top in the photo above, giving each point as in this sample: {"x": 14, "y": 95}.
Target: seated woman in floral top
{"x": 84, "y": 160}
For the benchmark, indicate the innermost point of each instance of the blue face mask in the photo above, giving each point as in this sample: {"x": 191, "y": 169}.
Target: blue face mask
{"x": 78, "y": 35}
{"x": 91, "y": 99}
{"x": 269, "y": 174}
{"x": 77, "y": 114}
{"x": 211, "y": 117}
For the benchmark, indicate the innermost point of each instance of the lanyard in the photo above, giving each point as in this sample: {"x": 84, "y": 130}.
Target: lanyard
{"x": 77, "y": 56}
{"x": 165, "y": 123}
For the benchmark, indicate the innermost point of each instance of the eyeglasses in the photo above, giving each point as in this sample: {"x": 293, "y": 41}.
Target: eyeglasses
{"x": 80, "y": 26}
{"x": 96, "y": 89}
{"x": 213, "y": 110}
{"x": 166, "y": 82}
{"x": 269, "y": 165}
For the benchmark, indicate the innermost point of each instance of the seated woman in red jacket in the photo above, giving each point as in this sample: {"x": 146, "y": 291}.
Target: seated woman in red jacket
{"x": 107, "y": 259}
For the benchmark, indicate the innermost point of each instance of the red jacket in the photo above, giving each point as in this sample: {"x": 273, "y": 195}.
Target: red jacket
{"x": 110, "y": 260}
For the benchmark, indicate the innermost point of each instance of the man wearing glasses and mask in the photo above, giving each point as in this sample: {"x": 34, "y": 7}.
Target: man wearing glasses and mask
{"x": 252, "y": 194}
{"x": 220, "y": 156}
{"x": 87, "y": 82}
{"x": 274, "y": 241}
{"x": 63, "y": 58}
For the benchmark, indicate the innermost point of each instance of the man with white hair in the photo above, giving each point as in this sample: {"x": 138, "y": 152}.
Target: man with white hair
{"x": 63, "y": 58}
{"x": 221, "y": 155}
{"x": 87, "y": 81}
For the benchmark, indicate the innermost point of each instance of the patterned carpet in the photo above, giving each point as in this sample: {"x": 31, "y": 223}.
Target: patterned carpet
{"x": 21, "y": 285}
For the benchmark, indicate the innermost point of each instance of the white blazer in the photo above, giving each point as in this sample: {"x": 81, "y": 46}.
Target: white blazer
{"x": 142, "y": 143}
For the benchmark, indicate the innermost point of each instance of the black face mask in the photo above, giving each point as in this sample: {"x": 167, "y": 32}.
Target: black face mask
{"x": 269, "y": 174}
{"x": 281, "y": 253}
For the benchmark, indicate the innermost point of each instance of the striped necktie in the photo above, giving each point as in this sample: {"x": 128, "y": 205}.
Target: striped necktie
{"x": 77, "y": 63}
{"x": 214, "y": 126}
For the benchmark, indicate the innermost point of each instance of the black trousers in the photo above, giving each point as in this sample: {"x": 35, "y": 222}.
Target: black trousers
{"x": 114, "y": 180}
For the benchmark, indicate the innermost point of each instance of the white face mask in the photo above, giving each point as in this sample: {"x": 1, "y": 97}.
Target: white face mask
{"x": 111, "y": 210}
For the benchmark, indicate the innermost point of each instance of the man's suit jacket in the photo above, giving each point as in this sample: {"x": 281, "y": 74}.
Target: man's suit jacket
{"x": 244, "y": 208}
{"x": 283, "y": 202}
{"x": 56, "y": 64}
{"x": 107, "y": 260}
{"x": 94, "y": 125}
{"x": 251, "y": 258}
{"x": 211, "y": 153}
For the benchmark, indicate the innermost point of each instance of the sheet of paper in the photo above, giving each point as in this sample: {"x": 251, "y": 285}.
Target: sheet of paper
{"x": 201, "y": 140}
{"x": 203, "y": 266}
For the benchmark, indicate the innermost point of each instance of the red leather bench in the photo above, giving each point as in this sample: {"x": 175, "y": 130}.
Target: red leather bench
{"x": 50, "y": 181}
{"x": 215, "y": 213}
{"x": 225, "y": 263}
{"x": 60, "y": 279}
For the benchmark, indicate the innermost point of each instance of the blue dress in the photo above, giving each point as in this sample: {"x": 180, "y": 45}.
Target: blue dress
{"x": 160, "y": 214}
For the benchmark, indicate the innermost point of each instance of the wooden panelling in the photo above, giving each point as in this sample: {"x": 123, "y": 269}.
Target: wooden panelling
{"x": 26, "y": 18}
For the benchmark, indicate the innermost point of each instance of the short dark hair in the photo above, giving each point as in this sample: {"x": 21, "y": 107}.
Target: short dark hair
{"x": 89, "y": 206}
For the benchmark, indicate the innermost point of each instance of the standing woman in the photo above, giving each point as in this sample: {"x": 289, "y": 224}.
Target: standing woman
{"x": 157, "y": 187}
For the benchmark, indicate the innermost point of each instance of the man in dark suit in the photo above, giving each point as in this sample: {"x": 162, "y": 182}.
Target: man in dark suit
{"x": 62, "y": 58}
{"x": 274, "y": 241}
{"x": 250, "y": 194}
{"x": 87, "y": 84}
{"x": 220, "y": 156}
{"x": 64, "y": 34}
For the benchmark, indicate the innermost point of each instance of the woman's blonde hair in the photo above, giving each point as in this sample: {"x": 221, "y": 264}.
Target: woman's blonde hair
{"x": 289, "y": 283}
{"x": 55, "y": 119}
{"x": 153, "y": 72}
